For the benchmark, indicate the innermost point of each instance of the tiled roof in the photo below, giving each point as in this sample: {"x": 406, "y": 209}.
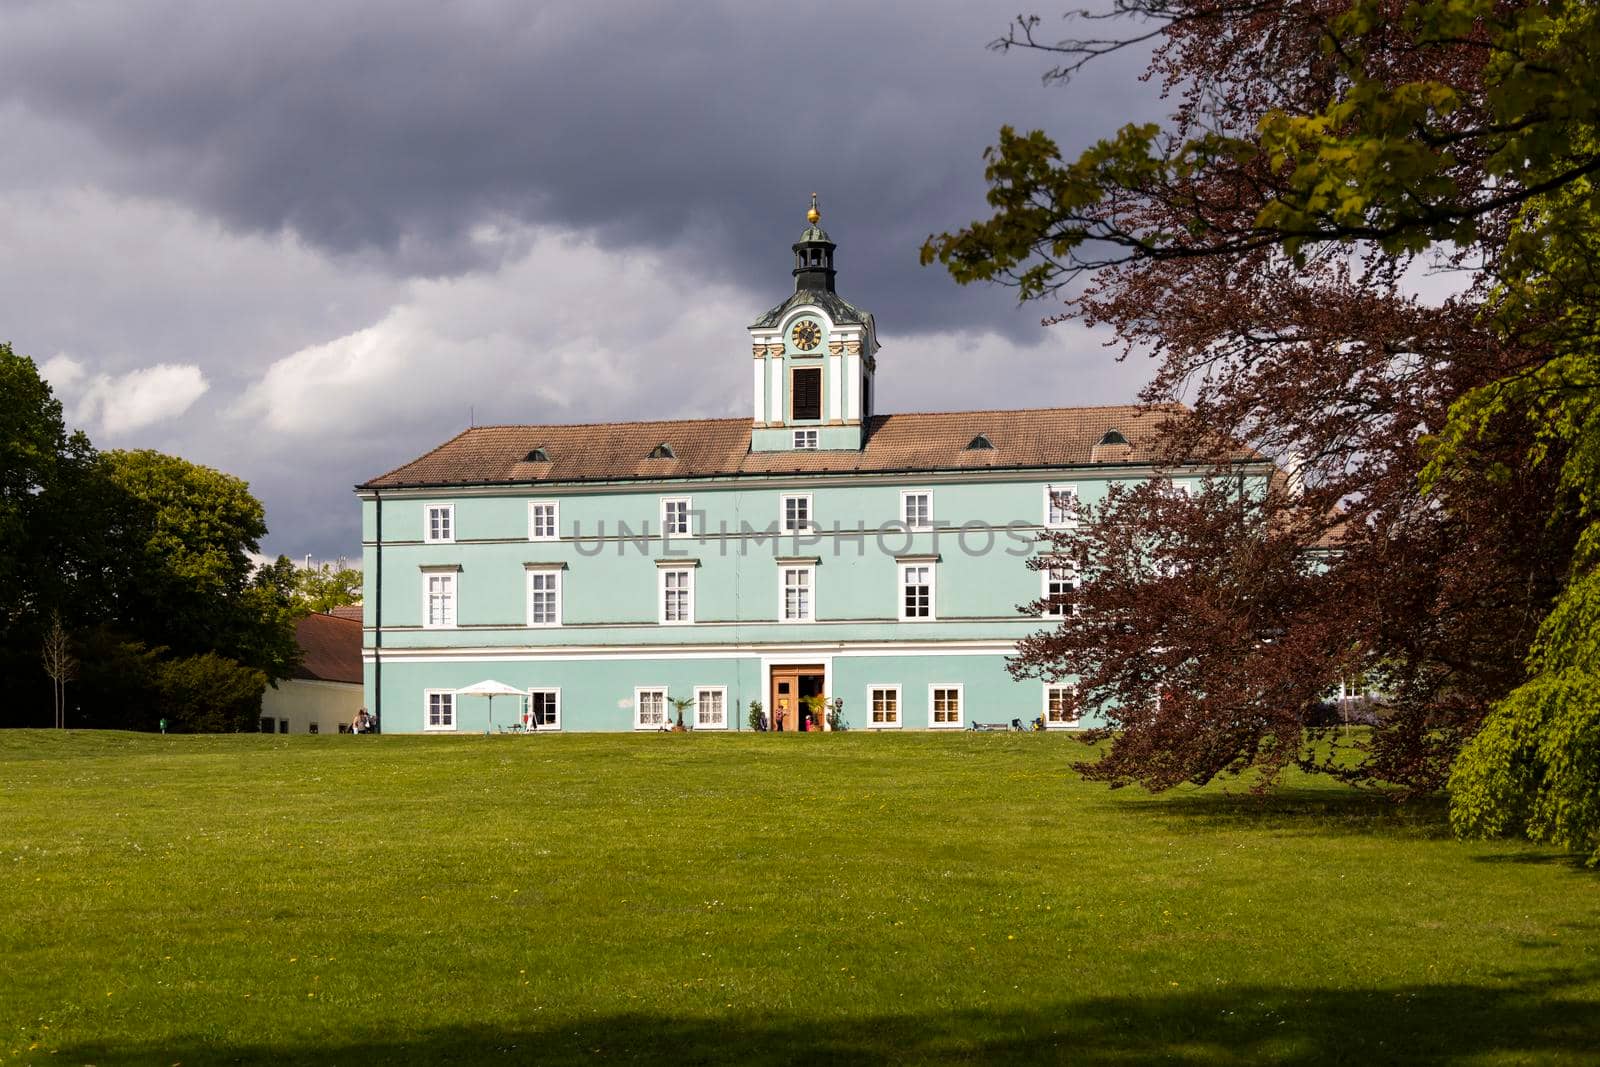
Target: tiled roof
{"x": 348, "y": 611}
{"x": 703, "y": 448}
{"x": 330, "y": 648}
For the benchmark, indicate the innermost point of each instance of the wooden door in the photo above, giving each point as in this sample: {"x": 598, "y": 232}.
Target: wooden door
{"x": 785, "y": 692}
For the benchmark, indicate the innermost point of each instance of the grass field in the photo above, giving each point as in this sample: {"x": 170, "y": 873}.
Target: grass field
{"x": 751, "y": 899}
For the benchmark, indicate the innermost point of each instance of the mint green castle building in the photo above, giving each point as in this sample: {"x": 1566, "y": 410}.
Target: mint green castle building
{"x": 613, "y": 574}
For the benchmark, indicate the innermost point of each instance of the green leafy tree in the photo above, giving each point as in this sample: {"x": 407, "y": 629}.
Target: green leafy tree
{"x": 327, "y": 586}
{"x": 189, "y": 583}
{"x": 1317, "y": 150}
{"x": 47, "y": 557}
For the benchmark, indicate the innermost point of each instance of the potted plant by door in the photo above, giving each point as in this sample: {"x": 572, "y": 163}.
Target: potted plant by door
{"x": 813, "y": 708}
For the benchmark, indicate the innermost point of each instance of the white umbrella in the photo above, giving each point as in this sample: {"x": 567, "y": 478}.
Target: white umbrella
{"x": 491, "y": 689}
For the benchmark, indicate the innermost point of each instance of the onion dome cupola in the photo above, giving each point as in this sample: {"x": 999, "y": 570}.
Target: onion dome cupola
{"x": 815, "y": 355}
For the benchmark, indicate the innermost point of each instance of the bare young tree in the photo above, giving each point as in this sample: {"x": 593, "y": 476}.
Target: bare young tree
{"x": 60, "y": 664}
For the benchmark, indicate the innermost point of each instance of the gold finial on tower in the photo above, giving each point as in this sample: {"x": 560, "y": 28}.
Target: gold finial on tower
{"x": 813, "y": 216}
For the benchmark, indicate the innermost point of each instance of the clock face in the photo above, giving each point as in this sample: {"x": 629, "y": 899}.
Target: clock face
{"x": 806, "y": 336}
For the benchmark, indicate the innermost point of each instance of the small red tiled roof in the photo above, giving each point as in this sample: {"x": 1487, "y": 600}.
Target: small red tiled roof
{"x": 330, "y": 648}
{"x": 703, "y": 448}
{"x": 347, "y": 611}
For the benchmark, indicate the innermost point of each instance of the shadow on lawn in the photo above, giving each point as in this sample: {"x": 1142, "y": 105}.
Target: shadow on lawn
{"x": 1552, "y": 1015}
{"x": 1309, "y": 811}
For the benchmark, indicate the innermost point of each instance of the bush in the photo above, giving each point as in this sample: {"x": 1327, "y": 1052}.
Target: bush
{"x": 210, "y": 694}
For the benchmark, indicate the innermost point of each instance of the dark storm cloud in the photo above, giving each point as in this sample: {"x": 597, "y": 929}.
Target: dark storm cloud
{"x": 389, "y": 131}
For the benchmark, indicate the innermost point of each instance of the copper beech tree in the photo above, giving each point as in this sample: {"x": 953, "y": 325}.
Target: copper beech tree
{"x": 1264, "y": 249}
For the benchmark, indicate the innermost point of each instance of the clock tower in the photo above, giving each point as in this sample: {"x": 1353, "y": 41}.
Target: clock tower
{"x": 814, "y": 358}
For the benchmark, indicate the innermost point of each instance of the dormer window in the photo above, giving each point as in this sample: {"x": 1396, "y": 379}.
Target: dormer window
{"x": 805, "y": 439}
{"x": 663, "y": 451}
{"x": 980, "y": 443}
{"x": 537, "y": 455}
{"x": 1113, "y": 437}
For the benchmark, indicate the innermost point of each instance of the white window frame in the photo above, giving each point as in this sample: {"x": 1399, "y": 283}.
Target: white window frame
{"x": 451, "y": 572}
{"x": 961, "y": 706}
{"x": 555, "y": 573}
{"x": 1044, "y": 708}
{"x": 449, "y": 511}
{"x": 427, "y": 707}
{"x": 555, "y": 520}
{"x": 905, "y": 519}
{"x": 933, "y": 591}
{"x": 899, "y": 707}
{"x": 688, "y": 516}
{"x": 1054, "y": 611}
{"x": 661, "y": 595}
{"x": 810, "y": 522}
{"x": 783, "y": 591}
{"x": 1064, "y": 524}
{"x": 722, "y": 691}
{"x": 805, "y": 440}
{"x": 638, "y": 707}
{"x": 548, "y": 689}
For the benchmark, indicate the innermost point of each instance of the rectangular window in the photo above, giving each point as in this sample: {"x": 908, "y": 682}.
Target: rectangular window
{"x": 796, "y": 590}
{"x": 883, "y": 707}
{"x": 806, "y": 394}
{"x": 944, "y": 706}
{"x": 439, "y": 710}
{"x": 795, "y": 514}
{"x": 311, "y": 729}
{"x": 267, "y": 725}
{"x": 1060, "y": 705}
{"x": 1060, "y": 591}
{"x": 916, "y": 509}
{"x": 283, "y": 726}
{"x": 544, "y": 710}
{"x": 916, "y": 591}
{"x": 1060, "y": 505}
{"x": 543, "y": 520}
{"x": 805, "y": 439}
{"x": 675, "y": 516}
{"x": 439, "y": 523}
{"x": 649, "y": 709}
{"x": 438, "y": 599}
{"x": 710, "y": 707}
{"x": 677, "y": 595}
{"x": 544, "y": 597}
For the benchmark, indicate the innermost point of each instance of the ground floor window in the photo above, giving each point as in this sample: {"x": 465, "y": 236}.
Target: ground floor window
{"x": 283, "y": 726}
{"x": 312, "y": 728}
{"x": 543, "y": 710}
{"x": 944, "y": 705}
{"x": 710, "y": 707}
{"x": 883, "y": 706}
{"x": 268, "y": 724}
{"x": 650, "y": 708}
{"x": 1060, "y": 705}
{"x": 439, "y": 710}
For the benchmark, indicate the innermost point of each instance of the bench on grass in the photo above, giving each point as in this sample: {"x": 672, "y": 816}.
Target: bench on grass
{"x": 991, "y": 727}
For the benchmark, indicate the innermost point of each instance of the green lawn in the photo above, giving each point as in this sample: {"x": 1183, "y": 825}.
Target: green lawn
{"x": 751, "y": 899}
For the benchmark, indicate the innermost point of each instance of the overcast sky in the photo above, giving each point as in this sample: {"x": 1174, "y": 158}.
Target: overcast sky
{"x": 306, "y": 242}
